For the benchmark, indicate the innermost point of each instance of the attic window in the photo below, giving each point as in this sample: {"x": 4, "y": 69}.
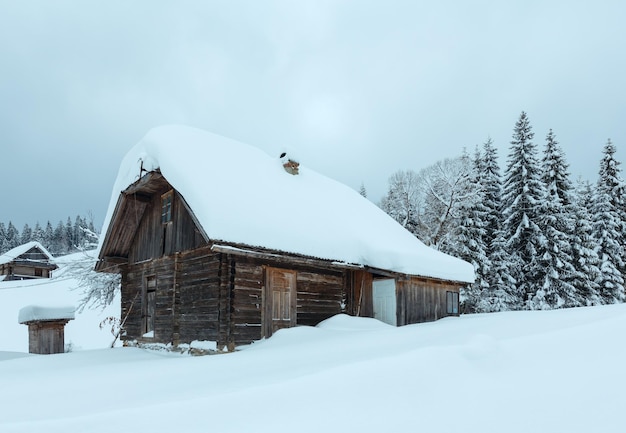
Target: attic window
{"x": 166, "y": 207}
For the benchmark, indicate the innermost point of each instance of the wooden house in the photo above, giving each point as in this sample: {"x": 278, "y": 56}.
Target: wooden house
{"x": 27, "y": 261}
{"x": 215, "y": 240}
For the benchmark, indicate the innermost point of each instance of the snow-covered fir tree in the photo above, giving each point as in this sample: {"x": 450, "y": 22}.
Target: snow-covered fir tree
{"x": 48, "y": 237}
{"x": 555, "y": 270}
{"x": 612, "y": 182}
{"x": 27, "y": 234}
{"x": 501, "y": 295}
{"x": 521, "y": 200}
{"x": 38, "y": 234}
{"x": 470, "y": 236}
{"x": 584, "y": 256}
{"x": 608, "y": 227}
{"x": 4, "y": 246}
{"x": 362, "y": 190}
{"x": 492, "y": 185}
{"x": 12, "y": 236}
{"x": 500, "y": 283}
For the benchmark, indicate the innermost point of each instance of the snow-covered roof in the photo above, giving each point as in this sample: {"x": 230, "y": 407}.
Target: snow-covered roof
{"x": 239, "y": 194}
{"x": 13, "y": 254}
{"x": 33, "y": 313}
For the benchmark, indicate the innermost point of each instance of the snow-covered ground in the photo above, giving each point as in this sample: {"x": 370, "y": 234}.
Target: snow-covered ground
{"x": 543, "y": 371}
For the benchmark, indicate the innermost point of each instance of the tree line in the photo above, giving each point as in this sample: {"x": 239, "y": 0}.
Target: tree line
{"x": 61, "y": 239}
{"x": 536, "y": 239}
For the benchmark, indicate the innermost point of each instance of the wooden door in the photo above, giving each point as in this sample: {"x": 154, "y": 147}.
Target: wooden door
{"x": 280, "y": 300}
{"x": 148, "y": 306}
{"x": 384, "y": 294}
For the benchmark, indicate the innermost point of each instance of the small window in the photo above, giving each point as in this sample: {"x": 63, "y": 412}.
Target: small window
{"x": 38, "y": 272}
{"x": 166, "y": 207}
{"x": 452, "y": 303}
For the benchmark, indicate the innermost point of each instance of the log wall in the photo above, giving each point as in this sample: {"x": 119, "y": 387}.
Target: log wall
{"x": 201, "y": 295}
{"x": 320, "y": 294}
{"x": 422, "y": 300}
{"x": 188, "y": 290}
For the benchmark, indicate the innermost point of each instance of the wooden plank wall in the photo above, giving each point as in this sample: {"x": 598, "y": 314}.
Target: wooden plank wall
{"x": 187, "y": 297}
{"x": 155, "y": 239}
{"x": 133, "y": 280}
{"x": 421, "y": 299}
{"x": 247, "y": 298}
{"x": 359, "y": 300}
{"x": 46, "y": 337}
{"x": 320, "y": 295}
{"x": 198, "y": 283}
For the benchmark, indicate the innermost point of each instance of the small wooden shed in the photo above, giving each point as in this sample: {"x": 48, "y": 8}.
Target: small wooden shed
{"x": 214, "y": 240}
{"x": 46, "y": 327}
{"x": 27, "y": 261}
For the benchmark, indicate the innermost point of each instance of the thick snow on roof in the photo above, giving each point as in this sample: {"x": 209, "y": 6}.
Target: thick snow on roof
{"x": 11, "y": 255}
{"x": 33, "y": 313}
{"x": 240, "y": 194}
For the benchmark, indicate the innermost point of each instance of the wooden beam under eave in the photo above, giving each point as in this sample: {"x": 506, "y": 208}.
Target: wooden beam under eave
{"x": 116, "y": 260}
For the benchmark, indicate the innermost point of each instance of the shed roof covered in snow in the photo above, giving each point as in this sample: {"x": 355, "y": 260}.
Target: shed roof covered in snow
{"x": 31, "y": 251}
{"x": 38, "y": 313}
{"x": 241, "y": 195}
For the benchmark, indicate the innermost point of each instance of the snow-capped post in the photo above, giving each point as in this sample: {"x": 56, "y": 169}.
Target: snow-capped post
{"x": 46, "y": 327}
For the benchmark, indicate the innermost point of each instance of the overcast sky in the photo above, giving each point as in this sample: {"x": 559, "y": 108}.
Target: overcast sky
{"x": 359, "y": 89}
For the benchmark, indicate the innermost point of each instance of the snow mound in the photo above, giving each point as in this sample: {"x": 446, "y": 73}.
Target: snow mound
{"x": 33, "y": 313}
{"x": 343, "y": 322}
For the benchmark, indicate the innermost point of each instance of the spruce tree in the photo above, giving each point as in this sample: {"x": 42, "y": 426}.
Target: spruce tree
{"x": 498, "y": 296}
{"x": 362, "y": 190}
{"x": 471, "y": 237}
{"x": 48, "y": 237}
{"x": 4, "y": 246}
{"x": 27, "y": 234}
{"x": 501, "y": 295}
{"x": 555, "y": 268}
{"x": 608, "y": 227}
{"x": 521, "y": 199}
{"x": 492, "y": 186}
{"x": 38, "y": 234}
{"x": 584, "y": 256}
{"x": 12, "y": 236}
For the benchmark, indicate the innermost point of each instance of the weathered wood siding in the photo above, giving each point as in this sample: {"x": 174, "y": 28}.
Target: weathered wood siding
{"x": 320, "y": 294}
{"x": 133, "y": 287}
{"x": 188, "y": 296}
{"x": 247, "y": 300}
{"x": 154, "y": 239}
{"x": 17, "y": 271}
{"x": 199, "y": 291}
{"x": 46, "y": 337}
{"x": 421, "y": 299}
{"x": 359, "y": 300}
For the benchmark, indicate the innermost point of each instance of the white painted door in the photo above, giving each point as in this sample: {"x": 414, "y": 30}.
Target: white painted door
{"x": 384, "y": 292}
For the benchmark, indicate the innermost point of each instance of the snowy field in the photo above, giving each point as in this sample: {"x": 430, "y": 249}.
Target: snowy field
{"x": 544, "y": 371}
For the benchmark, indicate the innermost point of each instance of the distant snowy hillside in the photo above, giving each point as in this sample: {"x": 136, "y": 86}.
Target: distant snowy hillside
{"x": 82, "y": 333}
{"x": 538, "y": 371}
